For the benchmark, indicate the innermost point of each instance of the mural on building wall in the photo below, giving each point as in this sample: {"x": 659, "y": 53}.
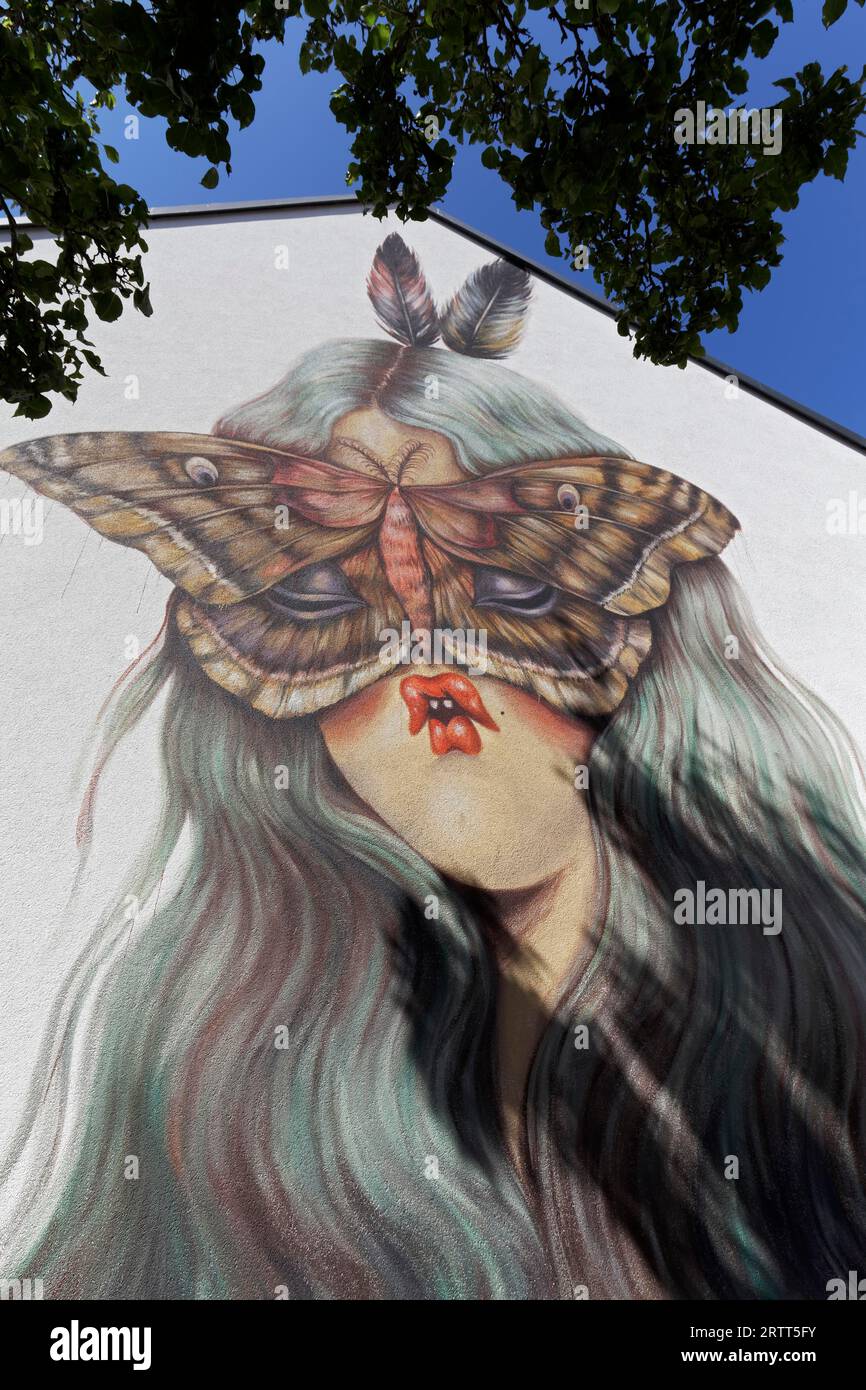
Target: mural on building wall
{"x": 517, "y": 945}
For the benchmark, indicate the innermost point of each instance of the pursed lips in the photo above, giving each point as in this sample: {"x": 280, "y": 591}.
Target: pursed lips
{"x": 451, "y": 707}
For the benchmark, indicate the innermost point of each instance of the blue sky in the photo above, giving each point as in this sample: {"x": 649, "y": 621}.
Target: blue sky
{"x": 802, "y": 335}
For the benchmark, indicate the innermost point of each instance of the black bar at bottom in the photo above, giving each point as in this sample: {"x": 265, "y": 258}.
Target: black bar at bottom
{"x": 159, "y": 1339}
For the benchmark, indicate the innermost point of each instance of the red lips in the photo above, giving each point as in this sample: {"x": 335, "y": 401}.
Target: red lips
{"x": 450, "y": 706}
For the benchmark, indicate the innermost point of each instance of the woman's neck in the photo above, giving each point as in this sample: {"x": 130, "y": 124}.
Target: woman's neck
{"x": 540, "y": 935}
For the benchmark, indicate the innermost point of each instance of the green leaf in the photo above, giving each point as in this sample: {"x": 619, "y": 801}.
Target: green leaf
{"x": 211, "y": 178}
{"x": 141, "y": 300}
{"x": 738, "y": 81}
{"x": 380, "y": 36}
{"x": 836, "y": 162}
{"x": 764, "y": 35}
{"x": 108, "y": 306}
{"x": 832, "y": 11}
{"x": 111, "y": 153}
{"x": 759, "y": 276}
{"x": 243, "y": 108}
{"x": 34, "y": 408}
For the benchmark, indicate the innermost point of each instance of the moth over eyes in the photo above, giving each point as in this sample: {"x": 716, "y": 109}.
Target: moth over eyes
{"x": 322, "y": 591}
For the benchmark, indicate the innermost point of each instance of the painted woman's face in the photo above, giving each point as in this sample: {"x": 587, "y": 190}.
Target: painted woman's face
{"x": 290, "y": 571}
{"x": 508, "y": 817}
{"x": 476, "y": 775}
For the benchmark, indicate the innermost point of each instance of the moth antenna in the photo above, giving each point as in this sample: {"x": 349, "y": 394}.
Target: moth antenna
{"x": 486, "y": 316}
{"x": 399, "y": 294}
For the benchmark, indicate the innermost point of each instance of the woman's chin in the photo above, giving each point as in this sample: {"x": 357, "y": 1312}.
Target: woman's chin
{"x": 504, "y": 815}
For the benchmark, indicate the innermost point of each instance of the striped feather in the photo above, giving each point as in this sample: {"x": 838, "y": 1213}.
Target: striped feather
{"x": 399, "y": 294}
{"x": 486, "y": 316}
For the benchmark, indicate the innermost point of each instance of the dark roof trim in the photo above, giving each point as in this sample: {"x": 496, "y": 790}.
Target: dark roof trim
{"x": 326, "y": 200}
{"x": 348, "y": 202}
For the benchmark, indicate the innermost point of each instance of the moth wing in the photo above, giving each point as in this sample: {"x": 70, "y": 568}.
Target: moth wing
{"x": 579, "y": 657}
{"x": 283, "y": 667}
{"x": 607, "y": 530}
{"x": 204, "y": 508}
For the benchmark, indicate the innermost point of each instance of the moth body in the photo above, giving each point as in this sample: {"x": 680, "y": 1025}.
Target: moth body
{"x": 404, "y": 565}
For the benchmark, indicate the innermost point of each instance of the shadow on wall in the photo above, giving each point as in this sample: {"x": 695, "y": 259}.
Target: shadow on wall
{"x": 708, "y": 1112}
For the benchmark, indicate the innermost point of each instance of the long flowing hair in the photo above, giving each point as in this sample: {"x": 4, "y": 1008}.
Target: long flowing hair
{"x": 298, "y": 1058}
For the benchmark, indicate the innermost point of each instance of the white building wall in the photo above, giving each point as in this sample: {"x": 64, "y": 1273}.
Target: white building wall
{"x": 227, "y": 324}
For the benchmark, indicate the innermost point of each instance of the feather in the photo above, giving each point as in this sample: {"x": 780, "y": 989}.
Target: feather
{"x": 399, "y": 294}
{"x": 486, "y": 316}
